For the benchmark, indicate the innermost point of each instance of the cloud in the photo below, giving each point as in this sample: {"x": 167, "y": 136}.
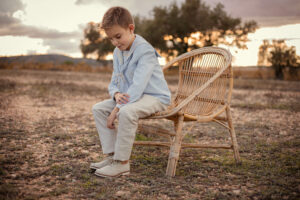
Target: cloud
{"x": 61, "y": 45}
{"x": 7, "y": 8}
{"x": 134, "y": 6}
{"x": 238, "y": 8}
{"x": 9, "y": 25}
{"x": 31, "y": 52}
{"x": 260, "y": 8}
{"x": 18, "y": 29}
{"x": 265, "y": 12}
{"x": 6, "y": 19}
{"x": 274, "y": 21}
{"x": 57, "y": 41}
{"x": 85, "y": 2}
{"x": 10, "y": 6}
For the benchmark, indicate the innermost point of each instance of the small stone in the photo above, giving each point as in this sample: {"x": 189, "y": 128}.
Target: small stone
{"x": 14, "y": 175}
{"x": 282, "y": 133}
{"x": 85, "y": 151}
{"x": 122, "y": 193}
{"x": 68, "y": 176}
{"x": 237, "y": 192}
{"x": 250, "y": 185}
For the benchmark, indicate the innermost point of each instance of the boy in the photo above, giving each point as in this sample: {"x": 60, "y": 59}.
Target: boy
{"x": 137, "y": 89}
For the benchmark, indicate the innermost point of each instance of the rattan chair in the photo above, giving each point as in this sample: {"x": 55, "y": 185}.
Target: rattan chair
{"x": 203, "y": 95}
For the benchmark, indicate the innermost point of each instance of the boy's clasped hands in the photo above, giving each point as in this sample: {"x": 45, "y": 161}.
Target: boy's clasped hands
{"x": 121, "y": 98}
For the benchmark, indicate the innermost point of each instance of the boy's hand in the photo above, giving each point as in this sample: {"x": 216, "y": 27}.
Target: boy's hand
{"x": 121, "y": 98}
{"x": 111, "y": 118}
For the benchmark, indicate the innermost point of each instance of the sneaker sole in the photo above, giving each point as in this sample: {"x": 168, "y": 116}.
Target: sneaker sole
{"x": 95, "y": 168}
{"x": 120, "y": 174}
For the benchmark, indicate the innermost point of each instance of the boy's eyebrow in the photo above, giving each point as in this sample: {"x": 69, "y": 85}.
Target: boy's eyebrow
{"x": 114, "y": 35}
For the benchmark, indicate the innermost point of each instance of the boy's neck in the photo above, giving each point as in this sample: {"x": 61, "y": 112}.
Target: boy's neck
{"x": 129, "y": 47}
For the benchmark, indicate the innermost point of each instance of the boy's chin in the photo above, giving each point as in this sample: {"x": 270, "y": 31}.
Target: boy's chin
{"x": 122, "y": 48}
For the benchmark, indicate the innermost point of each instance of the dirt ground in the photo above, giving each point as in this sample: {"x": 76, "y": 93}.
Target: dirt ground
{"x": 48, "y": 140}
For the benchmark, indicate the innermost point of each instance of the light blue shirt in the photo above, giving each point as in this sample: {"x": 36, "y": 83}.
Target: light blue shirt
{"x": 138, "y": 73}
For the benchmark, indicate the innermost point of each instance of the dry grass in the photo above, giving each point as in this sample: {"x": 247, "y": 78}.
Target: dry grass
{"x": 48, "y": 138}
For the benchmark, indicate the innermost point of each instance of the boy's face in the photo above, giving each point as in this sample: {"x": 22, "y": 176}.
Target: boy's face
{"x": 121, "y": 37}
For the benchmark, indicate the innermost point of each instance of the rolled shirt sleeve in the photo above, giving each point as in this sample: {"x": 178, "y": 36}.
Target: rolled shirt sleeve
{"x": 112, "y": 87}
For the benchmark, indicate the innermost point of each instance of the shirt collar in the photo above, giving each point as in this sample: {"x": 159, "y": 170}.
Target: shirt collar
{"x": 138, "y": 40}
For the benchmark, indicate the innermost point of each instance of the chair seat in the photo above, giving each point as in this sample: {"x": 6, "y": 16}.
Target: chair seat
{"x": 201, "y": 118}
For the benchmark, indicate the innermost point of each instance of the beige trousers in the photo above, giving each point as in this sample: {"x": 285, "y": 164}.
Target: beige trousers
{"x": 120, "y": 140}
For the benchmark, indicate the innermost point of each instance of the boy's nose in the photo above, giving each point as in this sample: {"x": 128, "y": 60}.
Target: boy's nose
{"x": 114, "y": 42}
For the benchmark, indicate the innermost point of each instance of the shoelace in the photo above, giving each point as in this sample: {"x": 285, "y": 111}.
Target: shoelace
{"x": 115, "y": 162}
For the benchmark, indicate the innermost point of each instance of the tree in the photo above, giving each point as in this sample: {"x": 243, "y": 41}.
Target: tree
{"x": 177, "y": 29}
{"x": 95, "y": 42}
{"x": 279, "y": 56}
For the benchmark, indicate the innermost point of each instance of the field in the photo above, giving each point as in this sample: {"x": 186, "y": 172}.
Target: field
{"x": 48, "y": 140}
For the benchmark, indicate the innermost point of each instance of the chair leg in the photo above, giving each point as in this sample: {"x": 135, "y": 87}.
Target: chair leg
{"x": 233, "y": 136}
{"x": 175, "y": 147}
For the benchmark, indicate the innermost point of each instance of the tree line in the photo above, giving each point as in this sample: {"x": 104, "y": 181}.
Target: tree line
{"x": 176, "y": 29}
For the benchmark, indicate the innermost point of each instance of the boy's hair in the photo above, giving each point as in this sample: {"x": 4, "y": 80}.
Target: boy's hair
{"x": 116, "y": 16}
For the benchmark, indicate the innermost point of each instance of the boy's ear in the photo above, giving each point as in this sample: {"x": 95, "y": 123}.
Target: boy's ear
{"x": 131, "y": 28}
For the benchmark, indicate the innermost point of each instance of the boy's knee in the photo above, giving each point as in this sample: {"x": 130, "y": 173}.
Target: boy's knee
{"x": 97, "y": 108}
{"x": 125, "y": 113}
{"x": 94, "y": 108}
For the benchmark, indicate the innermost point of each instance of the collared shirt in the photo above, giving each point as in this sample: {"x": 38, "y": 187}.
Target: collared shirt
{"x": 137, "y": 72}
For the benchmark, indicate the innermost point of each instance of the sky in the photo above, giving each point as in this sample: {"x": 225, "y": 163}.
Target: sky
{"x": 56, "y": 26}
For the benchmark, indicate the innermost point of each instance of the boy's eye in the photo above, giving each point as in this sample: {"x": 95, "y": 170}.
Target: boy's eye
{"x": 118, "y": 36}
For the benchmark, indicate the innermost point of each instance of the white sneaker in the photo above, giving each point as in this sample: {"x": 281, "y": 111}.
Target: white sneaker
{"x": 114, "y": 169}
{"x": 106, "y": 161}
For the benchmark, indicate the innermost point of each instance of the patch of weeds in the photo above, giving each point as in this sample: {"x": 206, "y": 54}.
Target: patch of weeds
{"x": 61, "y": 136}
{"x": 190, "y": 189}
{"x": 189, "y": 138}
{"x": 2, "y": 171}
{"x": 143, "y": 160}
{"x": 85, "y": 143}
{"x": 11, "y": 159}
{"x": 101, "y": 192}
{"x": 277, "y": 106}
{"x": 76, "y": 154}
{"x": 274, "y": 96}
{"x": 27, "y": 155}
{"x": 175, "y": 194}
{"x": 14, "y": 147}
{"x": 61, "y": 89}
{"x": 89, "y": 184}
{"x": 251, "y": 106}
{"x": 59, "y": 170}
{"x": 271, "y": 166}
{"x": 141, "y": 137}
{"x": 272, "y": 85}
{"x": 59, "y": 190}
{"x": 8, "y": 191}
{"x": 7, "y": 85}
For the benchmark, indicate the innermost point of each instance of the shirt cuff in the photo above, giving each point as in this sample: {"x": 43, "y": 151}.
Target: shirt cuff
{"x": 113, "y": 94}
{"x": 120, "y": 105}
